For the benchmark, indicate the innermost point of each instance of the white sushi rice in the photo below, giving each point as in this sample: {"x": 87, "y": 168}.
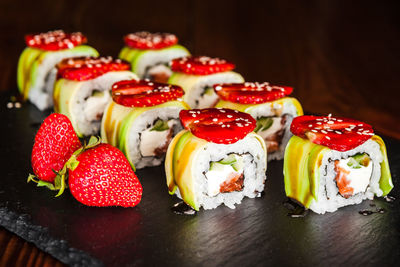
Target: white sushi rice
{"x": 86, "y": 107}
{"x": 157, "y": 57}
{"x": 277, "y": 110}
{"x": 41, "y": 92}
{"x": 255, "y": 166}
{"x": 145, "y": 121}
{"x": 329, "y": 198}
{"x": 195, "y": 96}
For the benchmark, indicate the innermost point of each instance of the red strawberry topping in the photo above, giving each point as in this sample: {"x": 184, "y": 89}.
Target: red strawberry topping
{"x": 144, "y": 93}
{"x": 103, "y": 177}
{"x": 200, "y": 65}
{"x": 54, "y": 144}
{"x": 218, "y": 125}
{"x": 337, "y": 133}
{"x": 55, "y": 40}
{"x": 87, "y": 68}
{"x": 251, "y": 93}
{"x": 147, "y": 40}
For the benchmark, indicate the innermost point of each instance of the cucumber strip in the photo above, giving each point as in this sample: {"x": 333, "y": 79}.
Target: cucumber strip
{"x": 263, "y": 123}
{"x": 359, "y": 160}
{"x": 160, "y": 126}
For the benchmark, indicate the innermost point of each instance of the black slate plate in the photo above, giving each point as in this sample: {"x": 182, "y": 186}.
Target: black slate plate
{"x": 257, "y": 232}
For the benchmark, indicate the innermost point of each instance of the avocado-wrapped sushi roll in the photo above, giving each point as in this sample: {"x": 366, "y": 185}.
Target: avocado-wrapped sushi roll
{"x": 83, "y": 89}
{"x": 269, "y": 105}
{"x": 142, "y": 119}
{"x": 217, "y": 159}
{"x": 150, "y": 54}
{"x": 37, "y": 63}
{"x": 197, "y": 75}
{"x": 332, "y": 162}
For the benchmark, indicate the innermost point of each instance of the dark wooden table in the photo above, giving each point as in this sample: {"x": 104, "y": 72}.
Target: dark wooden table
{"x": 341, "y": 57}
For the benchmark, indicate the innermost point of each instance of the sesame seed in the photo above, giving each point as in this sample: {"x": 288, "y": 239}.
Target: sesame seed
{"x": 327, "y": 137}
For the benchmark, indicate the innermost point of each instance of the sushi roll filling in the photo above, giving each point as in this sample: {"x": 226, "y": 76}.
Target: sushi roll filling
{"x": 353, "y": 174}
{"x": 271, "y": 129}
{"x": 49, "y": 81}
{"x": 225, "y": 176}
{"x": 154, "y": 140}
{"x": 207, "y": 98}
{"x": 159, "y": 72}
{"x": 95, "y": 105}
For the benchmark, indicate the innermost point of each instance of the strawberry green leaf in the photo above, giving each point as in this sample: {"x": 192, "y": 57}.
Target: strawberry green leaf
{"x": 93, "y": 141}
{"x": 32, "y": 178}
{"x": 46, "y": 184}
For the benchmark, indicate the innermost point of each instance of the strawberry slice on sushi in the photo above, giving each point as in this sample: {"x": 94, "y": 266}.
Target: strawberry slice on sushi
{"x": 150, "y": 54}
{"x": 83, "y": 89}
{"x": 37, "y": 64}
{"x": 332, "y": 162}
{"x": 142, "y": 119}
{"x": 217, "y": 159}
{"x": 197, "y": 75}
{"x": 270, "y": 105}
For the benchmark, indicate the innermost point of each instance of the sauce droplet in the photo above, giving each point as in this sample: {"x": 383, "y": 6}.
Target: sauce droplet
{"x": 296, "y": 210}
{"x": 182, "y": 208}
{"x": 366, "y": 212}
{"x": 389, "y": 199}
{"x": 370, "y": 212}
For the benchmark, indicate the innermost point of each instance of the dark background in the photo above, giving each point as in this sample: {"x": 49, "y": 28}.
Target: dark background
{"x": 342, "y": 57}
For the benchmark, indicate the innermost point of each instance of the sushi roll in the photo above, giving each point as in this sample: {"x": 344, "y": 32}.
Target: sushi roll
{"x": 83, "y": 88}
{"x": 269, "y": 105}
{"x": 332, "y": 162}
{"x": 217, "y": 159}
{"x": 37, "y": 63}
{"x": 197, "y": 75}
{"x": 142, "y": 119}
{"x": 150, "y": 54}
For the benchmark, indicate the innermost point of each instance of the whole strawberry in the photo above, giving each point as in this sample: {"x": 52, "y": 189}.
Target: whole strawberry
{"x": 102, "y": 176}
{"x": 55, "y": 142}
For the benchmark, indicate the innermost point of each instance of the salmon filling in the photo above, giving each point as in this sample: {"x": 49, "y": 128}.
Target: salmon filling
{"x": 353, "y": 174}
{"x": 225, "y": 176}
